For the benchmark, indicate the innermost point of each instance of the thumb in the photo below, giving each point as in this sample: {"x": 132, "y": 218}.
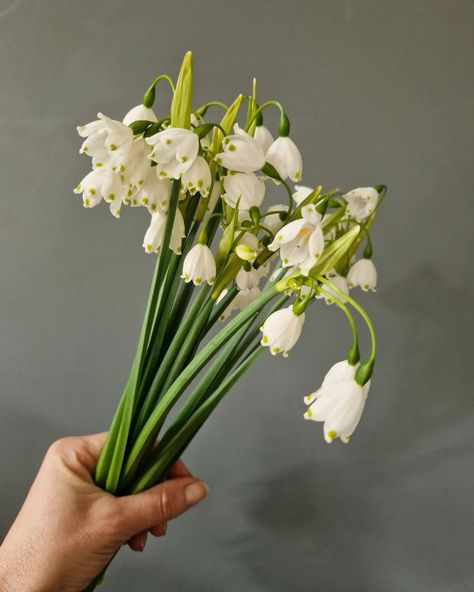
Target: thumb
{"x": 161, "y": 503}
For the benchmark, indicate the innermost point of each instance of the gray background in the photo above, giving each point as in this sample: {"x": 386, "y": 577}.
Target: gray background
{"x": 377, "y": 92}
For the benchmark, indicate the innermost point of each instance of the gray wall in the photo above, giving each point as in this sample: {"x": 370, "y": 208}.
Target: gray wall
{"x": 378, "y": 92}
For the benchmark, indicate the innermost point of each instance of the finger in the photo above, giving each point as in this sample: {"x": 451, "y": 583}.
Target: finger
{"x": 159, "y": 504}
{"x": 159, "y": 530}
{"x": 179, "y": 469}
{"x": 138, "y": 541}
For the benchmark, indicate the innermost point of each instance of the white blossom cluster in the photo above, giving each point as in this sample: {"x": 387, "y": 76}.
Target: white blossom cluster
{"x": 138, "y": 169}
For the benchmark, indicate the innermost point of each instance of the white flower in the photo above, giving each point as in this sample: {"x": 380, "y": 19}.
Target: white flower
{"x": 363, "y": 274}
{"x": 273, "y": 221}
{"x": 339, "y": 402}
{"x": 199, "y": 266}
{"x": 242, "y": 299}
{"x": 246, "y": 280}
{"x": 339, "y": 282}
{"x": 263, "y": 138}
{"x": 286, "y": 158}
{"x": 118, "y": 134}
{"x": 301, "y": 193}
{"x": 301, "y": 242}
{"x": 361, "y": 202}
{"x": 154, "y": 235}
{"x": 91, "y": 188}
{"x": 174, "y": 150}
{"x": 139, "y": 113}
{"x": 281, "y": 330}
{"x": 155, "y": 193}
{"x": 215, "y": 196}
{"x": 198, "y": 177}
{"x": 241, "y": 153}
{"x": 246, "y": 187}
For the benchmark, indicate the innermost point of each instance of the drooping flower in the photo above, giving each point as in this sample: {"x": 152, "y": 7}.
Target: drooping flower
{"x": 246, "y": 280}
{"x": 339, "y": 282}
{"x": 154, "y": 235}
{"x": 198, "y": 177}
{"x": 286, "y": 158}
{"x": 139, "y": 113}
{"x": 245, "y": 188}
{"x": 273, "y": 221}
{"x": 118, "y": 135}
{"x": 241, "y": 300}
{"x": 241, "y": 153}
{"x": 281, "y": 330}
{"x": 363, "y": 274}
{"x": 301, "y": 242}
{"x": 301, "y": 193}
{"x": 91, "y": 188}
{"x": 361, "y": 202}
{"x": 155, "y": 193}
{"x": 199, "y": 266}
{"x": 174, "y": 151}
{"x": 339, "y": 402}
{"x": 263, "y": 137}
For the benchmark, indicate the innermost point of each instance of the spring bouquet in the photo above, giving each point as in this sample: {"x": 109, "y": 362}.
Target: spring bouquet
{"x": 233, "y": 278}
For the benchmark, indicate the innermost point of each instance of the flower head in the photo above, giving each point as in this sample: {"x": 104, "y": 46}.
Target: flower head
{"x": 241, "y": 153}
{"x": 301, "y": 242}
{"x": 263, "y": 137}
{"x": 198, "y": 177}
{"x": 363, "y": 274}
{"x": 339, "y": 282}
{"x": 174, "y": 151}
{"x": 286, "y": 158}
{"x": 139, "y": 113}
{"x": 361, "y": 202}
{"x": 339, "y": 402}
{"x": 199, "y": 266}
{"x": 281, "y": 330}
{"x": 246, "y": 189}
{"x": 154, "y": 235}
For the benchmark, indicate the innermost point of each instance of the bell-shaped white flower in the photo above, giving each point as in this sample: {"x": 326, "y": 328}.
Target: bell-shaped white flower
{"x": 361, "y": 202}
{"x": 363, "y": 274}
{"x": 241, "y": 300}
{"x": 246, "y": 280}
{"x": 199, "y": 266}
{"x": 198, "y": 177}
{"x": 301, "y": 242}
{"x": 263, "y": 137}
{"x": 301, "y": 193}
{"x": 339, "y": 282}
{"x": 139, "y": 113}
{"x": 241, "y": 153}
{"x": 118, "y": 134}
{"x": 281, "y": 330}
{"x": 286, "y": 158}
{"x": 245, "y": 188}
{"x": 339, "y": 402}
{"x": 272, "y": 221}
{"x": 155, "y": 193}
{"x": 154, "y": 235}
{"x": 174, "y": 151}
{"x": 91, "y": 188}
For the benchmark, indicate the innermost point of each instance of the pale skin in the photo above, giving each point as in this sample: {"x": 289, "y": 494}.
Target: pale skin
{"x": 68, "y": 529}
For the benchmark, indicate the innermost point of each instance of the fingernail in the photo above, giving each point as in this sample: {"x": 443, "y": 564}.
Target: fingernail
{"x": 142, "y": 543}
{"x": 195, "y": 492}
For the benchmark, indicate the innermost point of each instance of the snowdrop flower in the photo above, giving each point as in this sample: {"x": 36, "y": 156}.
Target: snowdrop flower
{"x": 361, "y": 202}
{"x": 286, "y": 158}
{"x": 301, "y": 242}
{"x": 339, "y": 282}
{"x": 174, "y": 150}
{"x": 198, "y": 177}
{"x": 118, "y": 135}
{"x": 339, "y": 402}
{"x": 199, "y": 266}
{"x": 91, "y": 188}
{"x": 155, "y": 193}
{"x": 281, "y": 330}
{"x": 263, "y": 137}
{"x": 154, "y": 235}
{"x": 245, "y": 188}
{"x": 301, "y": 193}
{"x": 242, "y": 299}
{"x": 139, "y": 113}
{"x": 246, "y": 280}
{"x": 363, "y": 274}
{"x": 273, "y": 221}
{"x": 241, "y": 153}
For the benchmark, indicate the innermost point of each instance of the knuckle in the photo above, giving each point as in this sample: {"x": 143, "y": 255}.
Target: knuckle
{"x": 165, "y": 504}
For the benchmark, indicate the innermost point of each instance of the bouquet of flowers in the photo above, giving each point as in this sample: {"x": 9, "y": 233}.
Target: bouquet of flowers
{"x": 218, "y": 251}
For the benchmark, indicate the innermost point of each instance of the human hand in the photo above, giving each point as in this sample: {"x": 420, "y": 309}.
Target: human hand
{"x": 68, "y": 529}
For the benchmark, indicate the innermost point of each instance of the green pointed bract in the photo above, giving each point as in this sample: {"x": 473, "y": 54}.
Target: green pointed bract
{"x": 227, "y": 123}
{"x": 334, "y": 253}
{"x": 182, "y": 99}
